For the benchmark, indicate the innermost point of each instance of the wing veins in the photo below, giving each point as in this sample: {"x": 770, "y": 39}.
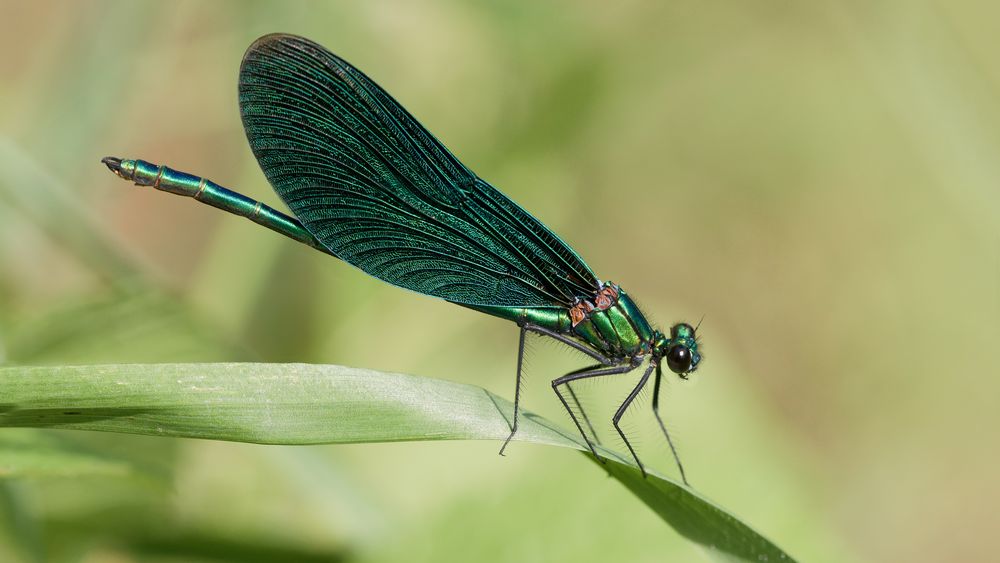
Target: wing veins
{"x": 381, "y": 192}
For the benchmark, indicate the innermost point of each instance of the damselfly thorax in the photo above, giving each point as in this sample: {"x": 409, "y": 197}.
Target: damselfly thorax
{"x": 611, "y": 324}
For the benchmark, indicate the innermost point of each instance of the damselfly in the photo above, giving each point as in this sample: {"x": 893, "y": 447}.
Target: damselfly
{"x": 368, "y": 184}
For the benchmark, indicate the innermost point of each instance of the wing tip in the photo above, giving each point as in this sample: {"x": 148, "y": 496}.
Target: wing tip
{"x": 276, "y": 38}
{"x": 273, "y": 37}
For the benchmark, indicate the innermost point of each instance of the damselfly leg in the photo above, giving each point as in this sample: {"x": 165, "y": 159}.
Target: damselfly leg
{"x": 585, "y": 374}
{"x": 624, "y": 407}
{"x": 656, "y": 412}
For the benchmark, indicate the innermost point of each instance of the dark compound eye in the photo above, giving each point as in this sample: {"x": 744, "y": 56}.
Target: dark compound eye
{"x": 679, "y": 359}
{"x": 683, "y": 329}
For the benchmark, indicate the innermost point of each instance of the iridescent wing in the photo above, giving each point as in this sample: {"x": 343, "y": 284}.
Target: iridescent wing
{"x": 377, "y": 189}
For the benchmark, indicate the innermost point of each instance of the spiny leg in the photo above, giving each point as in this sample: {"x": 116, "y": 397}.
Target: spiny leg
{"x": 656, "y": 413}
{"x": 579, "y": 405}
{"x": 570, "y": 342}
{"x": 612, "y": 370}
{"x": 621, "y": 411}
{"x": 577, "y": 346}
{"x": 520, "y": 362}
{"x": 517, "y": 389}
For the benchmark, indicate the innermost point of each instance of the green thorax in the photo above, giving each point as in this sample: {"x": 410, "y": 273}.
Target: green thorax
{"x": 621, "y": 330}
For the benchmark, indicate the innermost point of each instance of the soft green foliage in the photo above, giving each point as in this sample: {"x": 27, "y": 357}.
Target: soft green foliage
{"x": 34, "y": 455}
{"x": 818, "y": 178}
{"x": 309, "y": 404}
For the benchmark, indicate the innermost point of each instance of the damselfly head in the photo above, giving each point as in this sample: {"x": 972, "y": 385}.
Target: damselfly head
{"x": 680, "y": 350}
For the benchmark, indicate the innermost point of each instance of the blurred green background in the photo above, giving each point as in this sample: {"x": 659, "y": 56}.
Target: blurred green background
{"x": 819, "y": 179}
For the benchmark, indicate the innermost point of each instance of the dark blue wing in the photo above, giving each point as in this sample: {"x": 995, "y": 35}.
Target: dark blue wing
{"x": 378, "y": 190}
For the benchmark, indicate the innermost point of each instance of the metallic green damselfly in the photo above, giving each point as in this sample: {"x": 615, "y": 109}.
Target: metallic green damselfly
{"x": 368, "y": 184}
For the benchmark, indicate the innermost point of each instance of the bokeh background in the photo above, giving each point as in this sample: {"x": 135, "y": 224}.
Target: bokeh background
{"x": 818, "y": 179}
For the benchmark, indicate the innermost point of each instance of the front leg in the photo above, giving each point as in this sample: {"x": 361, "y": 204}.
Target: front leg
{"x": 656, "y": 413}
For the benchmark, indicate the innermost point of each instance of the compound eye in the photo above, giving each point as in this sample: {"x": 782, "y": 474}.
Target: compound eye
{"x": 682, "y": 329}
{"x": 679, "y": 359}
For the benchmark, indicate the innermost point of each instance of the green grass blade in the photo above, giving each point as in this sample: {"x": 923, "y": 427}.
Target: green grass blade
{"x": 315, "y": 404}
